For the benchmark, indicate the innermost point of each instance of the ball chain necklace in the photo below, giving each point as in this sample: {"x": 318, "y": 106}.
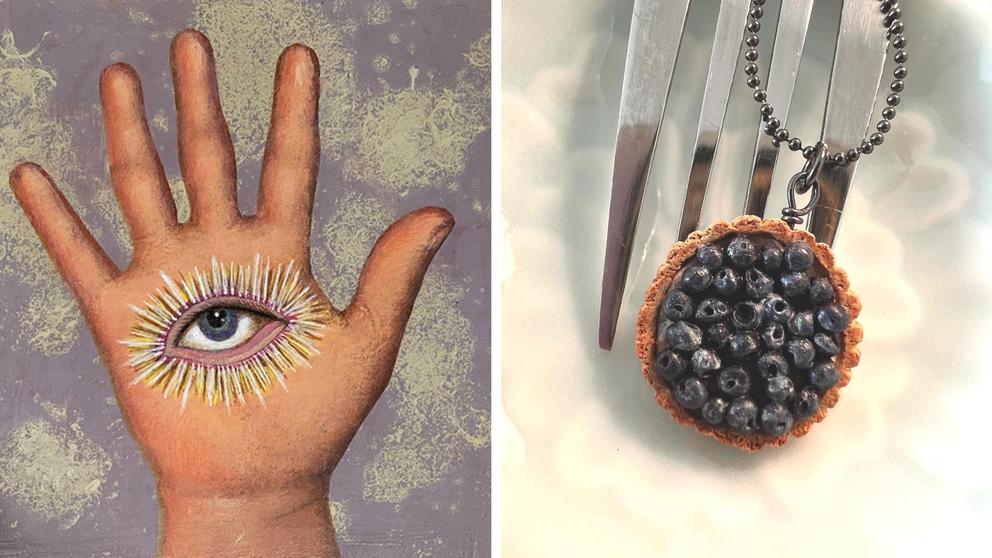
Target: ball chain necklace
{"x": 748, "y": 331}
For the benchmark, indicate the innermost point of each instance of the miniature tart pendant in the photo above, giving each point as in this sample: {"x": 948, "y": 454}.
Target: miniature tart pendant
{"x": 748, "y": 332}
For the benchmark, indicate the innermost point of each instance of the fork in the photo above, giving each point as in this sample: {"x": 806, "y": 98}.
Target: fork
{"x": 652, "y": 50}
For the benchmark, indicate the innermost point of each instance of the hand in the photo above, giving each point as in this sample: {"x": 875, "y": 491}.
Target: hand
{"x": 252, "y": 481}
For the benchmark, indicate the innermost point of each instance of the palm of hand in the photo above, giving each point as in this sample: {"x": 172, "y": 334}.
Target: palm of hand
{"x": 299, "y": 435}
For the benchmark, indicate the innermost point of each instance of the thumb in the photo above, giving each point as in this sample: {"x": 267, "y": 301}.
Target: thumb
{"x": 395, "y": 268}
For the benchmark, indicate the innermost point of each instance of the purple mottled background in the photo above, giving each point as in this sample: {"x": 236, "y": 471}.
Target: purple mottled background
{"x": 446, "y": 514}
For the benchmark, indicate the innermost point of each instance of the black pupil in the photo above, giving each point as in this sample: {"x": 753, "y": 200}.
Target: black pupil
{"x": 218, "y": 324}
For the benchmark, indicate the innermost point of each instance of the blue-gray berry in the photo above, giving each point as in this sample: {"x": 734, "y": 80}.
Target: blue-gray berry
{"x": 742, "y": 416}
{"x": 718, "y": 335}
{"x": 824, "y": 376}
{"x": 800, "y": 353}
{"x": 726, "y": 281}
{"x": 747, "y": 315}
{"x": 801, "y": 324}
{"x": 775, "y": 419}
{"x": 794, "y": 283}
{"x": 691, "y": 393}
{"x": 771, "y": 257}
{"x": 798, "y": 256}
{"x": 710, "y": 256}
{"x": 757, "y": 284}
{"x": 832, "y": 317}
{"x": 777, "y": 309}
{"x": 821, "y": 291}
{"x": 677, "y": 306}
{"x": 715, "y": 410}
{"x": 683, "y": 336}
{"x": 780, "y": 389}
{"x": 734, "y": 380}
{"x": 670, "y": 365}
{"x": 742, "y": 251}
{"x": 696, "y": 278}
{"x": 826, "y": 344}
{"x": 773, "y": 335}
{"x": 743, "y": 343}
{"x": 806, "y": 403}
{"x": 770, "y": 365}
{"x": 705, "y": 361}
{"x": 712, "y": 310}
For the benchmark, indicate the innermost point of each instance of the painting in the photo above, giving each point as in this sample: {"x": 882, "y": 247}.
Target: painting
{"x": 269, "y": 222}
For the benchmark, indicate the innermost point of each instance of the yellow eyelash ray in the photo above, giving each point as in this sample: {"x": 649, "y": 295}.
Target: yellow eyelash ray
{"x": 276, "y": 287}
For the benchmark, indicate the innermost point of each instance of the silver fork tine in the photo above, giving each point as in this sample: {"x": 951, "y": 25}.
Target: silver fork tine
{"x": 854, "y": 81}
{"x": 787, "y": 50}
{"x": 723, "y": 62}
{"x": 655, "y": 36}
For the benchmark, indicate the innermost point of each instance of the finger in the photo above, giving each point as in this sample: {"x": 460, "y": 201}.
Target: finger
{"x": 76, "y": 254}
{"x": 394, "y": 270}
{"x": 206, "y": 154}
{"x": 135, "y": 169}
{"x": 292, "y": 153}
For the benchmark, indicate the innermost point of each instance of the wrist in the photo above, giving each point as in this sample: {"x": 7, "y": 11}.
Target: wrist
{"x": 284, "y": 522}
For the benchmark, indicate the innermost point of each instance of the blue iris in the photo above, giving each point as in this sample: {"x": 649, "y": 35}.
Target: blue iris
{"x": 218, "y": 324}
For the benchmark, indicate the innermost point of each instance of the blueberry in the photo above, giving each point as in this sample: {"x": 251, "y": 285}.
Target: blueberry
{"x": 777, "y": 309}
{"x": 832, "y": 317}
{"x": 757, "y": 284}
{"x": 771, "y": 257}
{"x": 683, "y": 336}
{"x": 691, "y": 393}
{"x": 704, "y": 360}
{"x": 824, "y": 376}
{"x": 794, "y": 283}
{"x": 734, "y": 380}
{"x": 743, "y": 344}
{"x": 780, "y": 389}
{"x": 801, "y": 324}
{"x": 826, "y": 344}
{"x": 677, "y": 306}
{"x": 770, "y": 365}
{"x": 798, "y": 256}
{"x": 742, "y": 415}
{"x": 800, "y": 353}
{"x": 670, "y": 365}
{"x": 696, "y": 278}
{"x": 712, "y": 310}
{"x": 742, "y": 251}
{"x": 747, "y": 315}
{"x": 806, "y": 403}
{"x": 773, "y": 336}
{"x": 718, "y": 334}
{"x": 820, "y": 291}
{"x": 775, "y": 419}
{"x": 710, "y": 256}
{"x": 726, "y": 281}
{"x": 714, "y": 410}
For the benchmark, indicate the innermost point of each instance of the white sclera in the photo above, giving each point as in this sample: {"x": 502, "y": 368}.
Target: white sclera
{"x": 248, "y": 324}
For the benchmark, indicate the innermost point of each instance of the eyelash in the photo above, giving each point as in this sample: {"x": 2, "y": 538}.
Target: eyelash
{"x": 276, "y": 289}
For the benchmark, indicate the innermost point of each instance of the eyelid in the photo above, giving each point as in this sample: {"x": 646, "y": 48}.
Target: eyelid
{"x": 190, "y": 314}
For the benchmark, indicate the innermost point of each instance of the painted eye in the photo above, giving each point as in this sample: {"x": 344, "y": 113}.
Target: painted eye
{"x": 222, "y": 327}
{"x": 227, "y": 332}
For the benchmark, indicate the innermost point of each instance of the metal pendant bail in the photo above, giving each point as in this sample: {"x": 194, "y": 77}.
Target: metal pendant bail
{"x": 805, "y": 181}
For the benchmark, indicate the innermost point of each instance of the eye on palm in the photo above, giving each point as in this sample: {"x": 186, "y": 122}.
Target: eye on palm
{"x": 224, "y": 307}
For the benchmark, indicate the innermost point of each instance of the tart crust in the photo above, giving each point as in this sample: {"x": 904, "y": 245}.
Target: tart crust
{"x": 679, "y": 253}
